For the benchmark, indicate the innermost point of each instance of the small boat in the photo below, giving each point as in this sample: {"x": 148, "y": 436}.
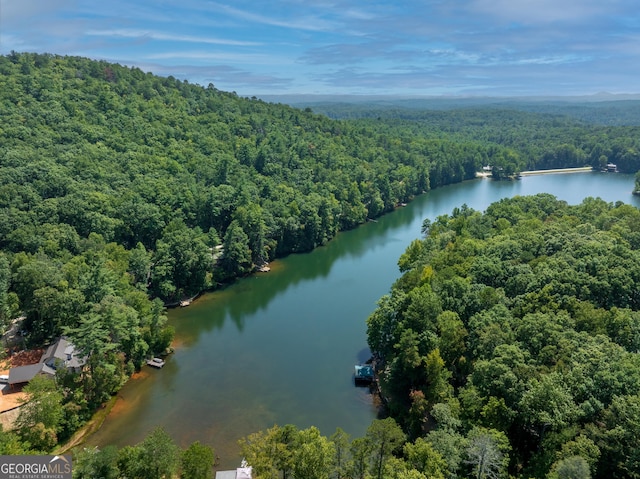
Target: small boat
{"x": 155, "y": 362}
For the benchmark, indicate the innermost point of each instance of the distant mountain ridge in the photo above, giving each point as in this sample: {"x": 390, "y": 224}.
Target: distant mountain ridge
{"x": 599, "y": 109}
{"x": 302, "y": 98}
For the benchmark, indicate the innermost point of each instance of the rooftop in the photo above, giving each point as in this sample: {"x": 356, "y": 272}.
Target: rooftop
{"x": 240, "y": 473}
{"x": 63, "y": 351}
{"x": 24, "y": 374}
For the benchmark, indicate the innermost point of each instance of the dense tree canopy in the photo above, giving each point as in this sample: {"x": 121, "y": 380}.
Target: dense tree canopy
{"x": 524, "y": 321}
{"x": 121, "y": 192}
{"x": 170, "y": 169}
{"x": 114, "y": 179}
{"x": 517, "y": 134}
{"x": 156, "y": 457}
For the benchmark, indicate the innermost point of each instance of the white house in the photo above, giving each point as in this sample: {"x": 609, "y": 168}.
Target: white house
{"x": 243, "y": 472}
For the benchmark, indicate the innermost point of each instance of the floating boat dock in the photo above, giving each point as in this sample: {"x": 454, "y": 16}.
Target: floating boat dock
{"x": 155, "y": 362}
{"x": 364, "y": 374}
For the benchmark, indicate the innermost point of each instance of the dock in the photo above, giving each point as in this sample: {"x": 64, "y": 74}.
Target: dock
{"x": 364, "y": 374}
{"x": 155, "y": 363}
{"x": 186, "y": 302}
{"x": 584, "y": 169}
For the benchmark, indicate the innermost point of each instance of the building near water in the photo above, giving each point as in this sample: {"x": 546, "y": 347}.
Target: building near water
{"x": 243, "y": 472}
{"x": 364, "y": 374}
{"x": 60, "y": 355}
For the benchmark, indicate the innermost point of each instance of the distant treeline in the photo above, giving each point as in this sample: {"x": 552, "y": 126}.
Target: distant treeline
{"x": 538, "y": 135}
{"x": 605, "y": 112}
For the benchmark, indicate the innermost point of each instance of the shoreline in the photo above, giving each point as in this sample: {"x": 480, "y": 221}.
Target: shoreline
{"x": 80, "y": 437}
{"x": 208, "y": 300}
{"x": 583, "y": 169}
{"x": 95, "y": 423}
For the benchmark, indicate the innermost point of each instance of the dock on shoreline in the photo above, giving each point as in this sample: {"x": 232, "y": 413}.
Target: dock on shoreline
{"x": 583, "y": 169}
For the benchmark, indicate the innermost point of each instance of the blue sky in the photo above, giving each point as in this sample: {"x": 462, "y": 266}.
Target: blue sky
{"x": 408, "y": 48}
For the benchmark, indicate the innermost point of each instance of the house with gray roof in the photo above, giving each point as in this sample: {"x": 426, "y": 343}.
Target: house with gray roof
{"x": 24, "y": 374}
{"x": 61, "y": 354}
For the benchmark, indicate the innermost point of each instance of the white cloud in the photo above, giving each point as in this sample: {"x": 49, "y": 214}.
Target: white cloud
{"x": 172, "y": 37}
{"x": 545, "y": 11}
{"x": 13, "y": 42}
{"x": 246, "y": 58}
{"x": 421, "y": 45}
{"x": 21, "y": 11}
{"x": 307, "y": 22}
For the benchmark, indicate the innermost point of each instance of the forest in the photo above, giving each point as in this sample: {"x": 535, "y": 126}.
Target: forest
{"x": 122, "y": 192}
{"x": 507, "y": 348}
{"x": 604, "y": 110}
{"x": 523, "y": 321}
{"x": 529, "y": 140}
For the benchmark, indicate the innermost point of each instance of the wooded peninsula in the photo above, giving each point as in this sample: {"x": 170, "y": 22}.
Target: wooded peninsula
{"x": 508, "y": 346}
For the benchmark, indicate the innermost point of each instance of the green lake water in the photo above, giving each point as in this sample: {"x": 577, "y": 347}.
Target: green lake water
{"x": 279, "y": 347}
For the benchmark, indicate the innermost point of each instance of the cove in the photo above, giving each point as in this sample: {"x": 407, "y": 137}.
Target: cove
{"x": 279, "y": 348}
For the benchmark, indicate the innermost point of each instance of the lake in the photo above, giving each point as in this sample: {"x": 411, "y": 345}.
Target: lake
{"x": 279, "y": 347}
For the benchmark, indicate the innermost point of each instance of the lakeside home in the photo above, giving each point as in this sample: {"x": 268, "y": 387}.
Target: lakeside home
{"x": 61, "y": 354}
{"x": 243, "y": 472}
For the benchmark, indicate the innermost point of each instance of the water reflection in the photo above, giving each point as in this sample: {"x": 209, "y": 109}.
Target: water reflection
{"x": 280, "y": 347}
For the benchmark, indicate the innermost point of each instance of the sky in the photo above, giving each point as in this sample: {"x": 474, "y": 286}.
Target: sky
{"x": 356, "y": 47}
